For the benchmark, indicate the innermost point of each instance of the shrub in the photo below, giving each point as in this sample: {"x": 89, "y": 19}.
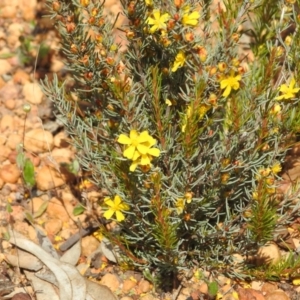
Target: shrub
{"x": 184, "y": 131}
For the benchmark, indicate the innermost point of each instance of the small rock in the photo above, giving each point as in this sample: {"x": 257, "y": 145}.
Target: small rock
{"x": 38, "y": 140}
{"x": 14, "y": 32}
{"x": 35, "y": 204}
{"x": 5, "y": 66}
{"x": 268, "y": 254}
{"x": 61, "y": 140}
{"x": 144, "y": 286}
{"x": 3, "y": 139}
{"x": 10, "y": 104}
{"x": 17, "y": 213}
{"x": 4, "y": 153}
{"x": 249, "y": 294}
{"x": 9, "y": 91}
{"x": 7, "y": 123}
{"x": 63, "y": 155}
{"x": 203, "y": 288}
{"x": 10, "y": 173}
{"x": 48, "y": 178}
{"x": 32, "y": 93}
{"x": 1, "y": 183}
{"x": 21, "y": 77}
{"x": 14, "y": 140}
{"x": 28, "y": 9}
{"x": 277, "y": 295}
{"x": 53, "y": 226}
{"x": 89, "y": 244}
{"x": 8, "y": 12}
{"x": 56, "y": 210}
{"x": 128, "y": 284}
{"x": 269, "y": 287}
{"x": 112, "y": 281}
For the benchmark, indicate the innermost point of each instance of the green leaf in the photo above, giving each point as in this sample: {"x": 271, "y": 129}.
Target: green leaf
{"x": 213, "y": 288}
{"x": 41, "y": 209}
{"x": 8, "y": 208}
{"x": 7, "y": 55}
{"x": 74, "y": 167}
{"x": 20, "y": 160}
{"x": 78, "y": 210}
{"x": 29, "y": 217}
{"x": 28, "y": 173}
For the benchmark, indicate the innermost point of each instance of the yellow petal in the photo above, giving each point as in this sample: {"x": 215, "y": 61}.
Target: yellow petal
{"x": 109, "y": 202}
{"x": 145, "y": 160}
{"x": 154, "y": 152}
{"x": 224, "y": 83}
{"x": 142, "y": 149}
{"x": 117, "y": 199}
{"x": 133, "y": 166}
{"x": 136, "y": 155}
{"x": 108, "y": 214}
{"x": 124, "y": 139}
{"x": 133, "y": 134}
{"x": 227, "y": 91}
{"x": 129, "y": 152}
{"x": 120, "y": 216}
{"x": 296, "y": 281}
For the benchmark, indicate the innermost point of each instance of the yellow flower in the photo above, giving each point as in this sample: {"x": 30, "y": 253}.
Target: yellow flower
{"x": 149, "y": 2}
{"x": 139, "y": 148}
{"x": 231, "y": 82}
{"x": 168, "y": 102}
{"x": 138, "y": 144}
{"x": 180, "y": 203}
{"x": 186, "y": 117}
{"x": 115, "y": 207}
{"x": 158, "y": 21}
{"x": 276, "y": 168}
{"x": 179, "y": 61}
{"x": 98, "y": 235}
{"x": 288, "y": 92}
{"x": 190, "y": 19}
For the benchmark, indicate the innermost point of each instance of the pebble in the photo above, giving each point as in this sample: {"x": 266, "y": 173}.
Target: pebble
{"x": 4, "y": 153}
{"x": 10, "y": 104}
{"x": 34, "y": 204}
{"x": 3, "y": 139}
{"x": 48, "y": 178}
{"x": 56, "y": 210}
{"x": 144, "y": 286}
{"x": 62, "y": 155}
{"x": 10, "y": 173}
{"x": 38, "y": 140}
{"x": 112, "y": 281}
{"x": 21, "y": 77}
{"x": 14, "y": 140}
{"x": 8, "y": 12}
{"x": 32, "y": 93}
{"x": 61, "y": 140}
{"x": 268, "y": 254}
{"x": 269, "y": 287}
{"x": 246, "y": 294}
{"x": 14, "y": 32}
{"x": 128, "y": 284}
{"x": 7, "y": 123}
{"x": 89, "y": 244}
{"x": 5, "y": 66}
{"x": 53, "y": 226}
{"x": 277, "y": 295}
